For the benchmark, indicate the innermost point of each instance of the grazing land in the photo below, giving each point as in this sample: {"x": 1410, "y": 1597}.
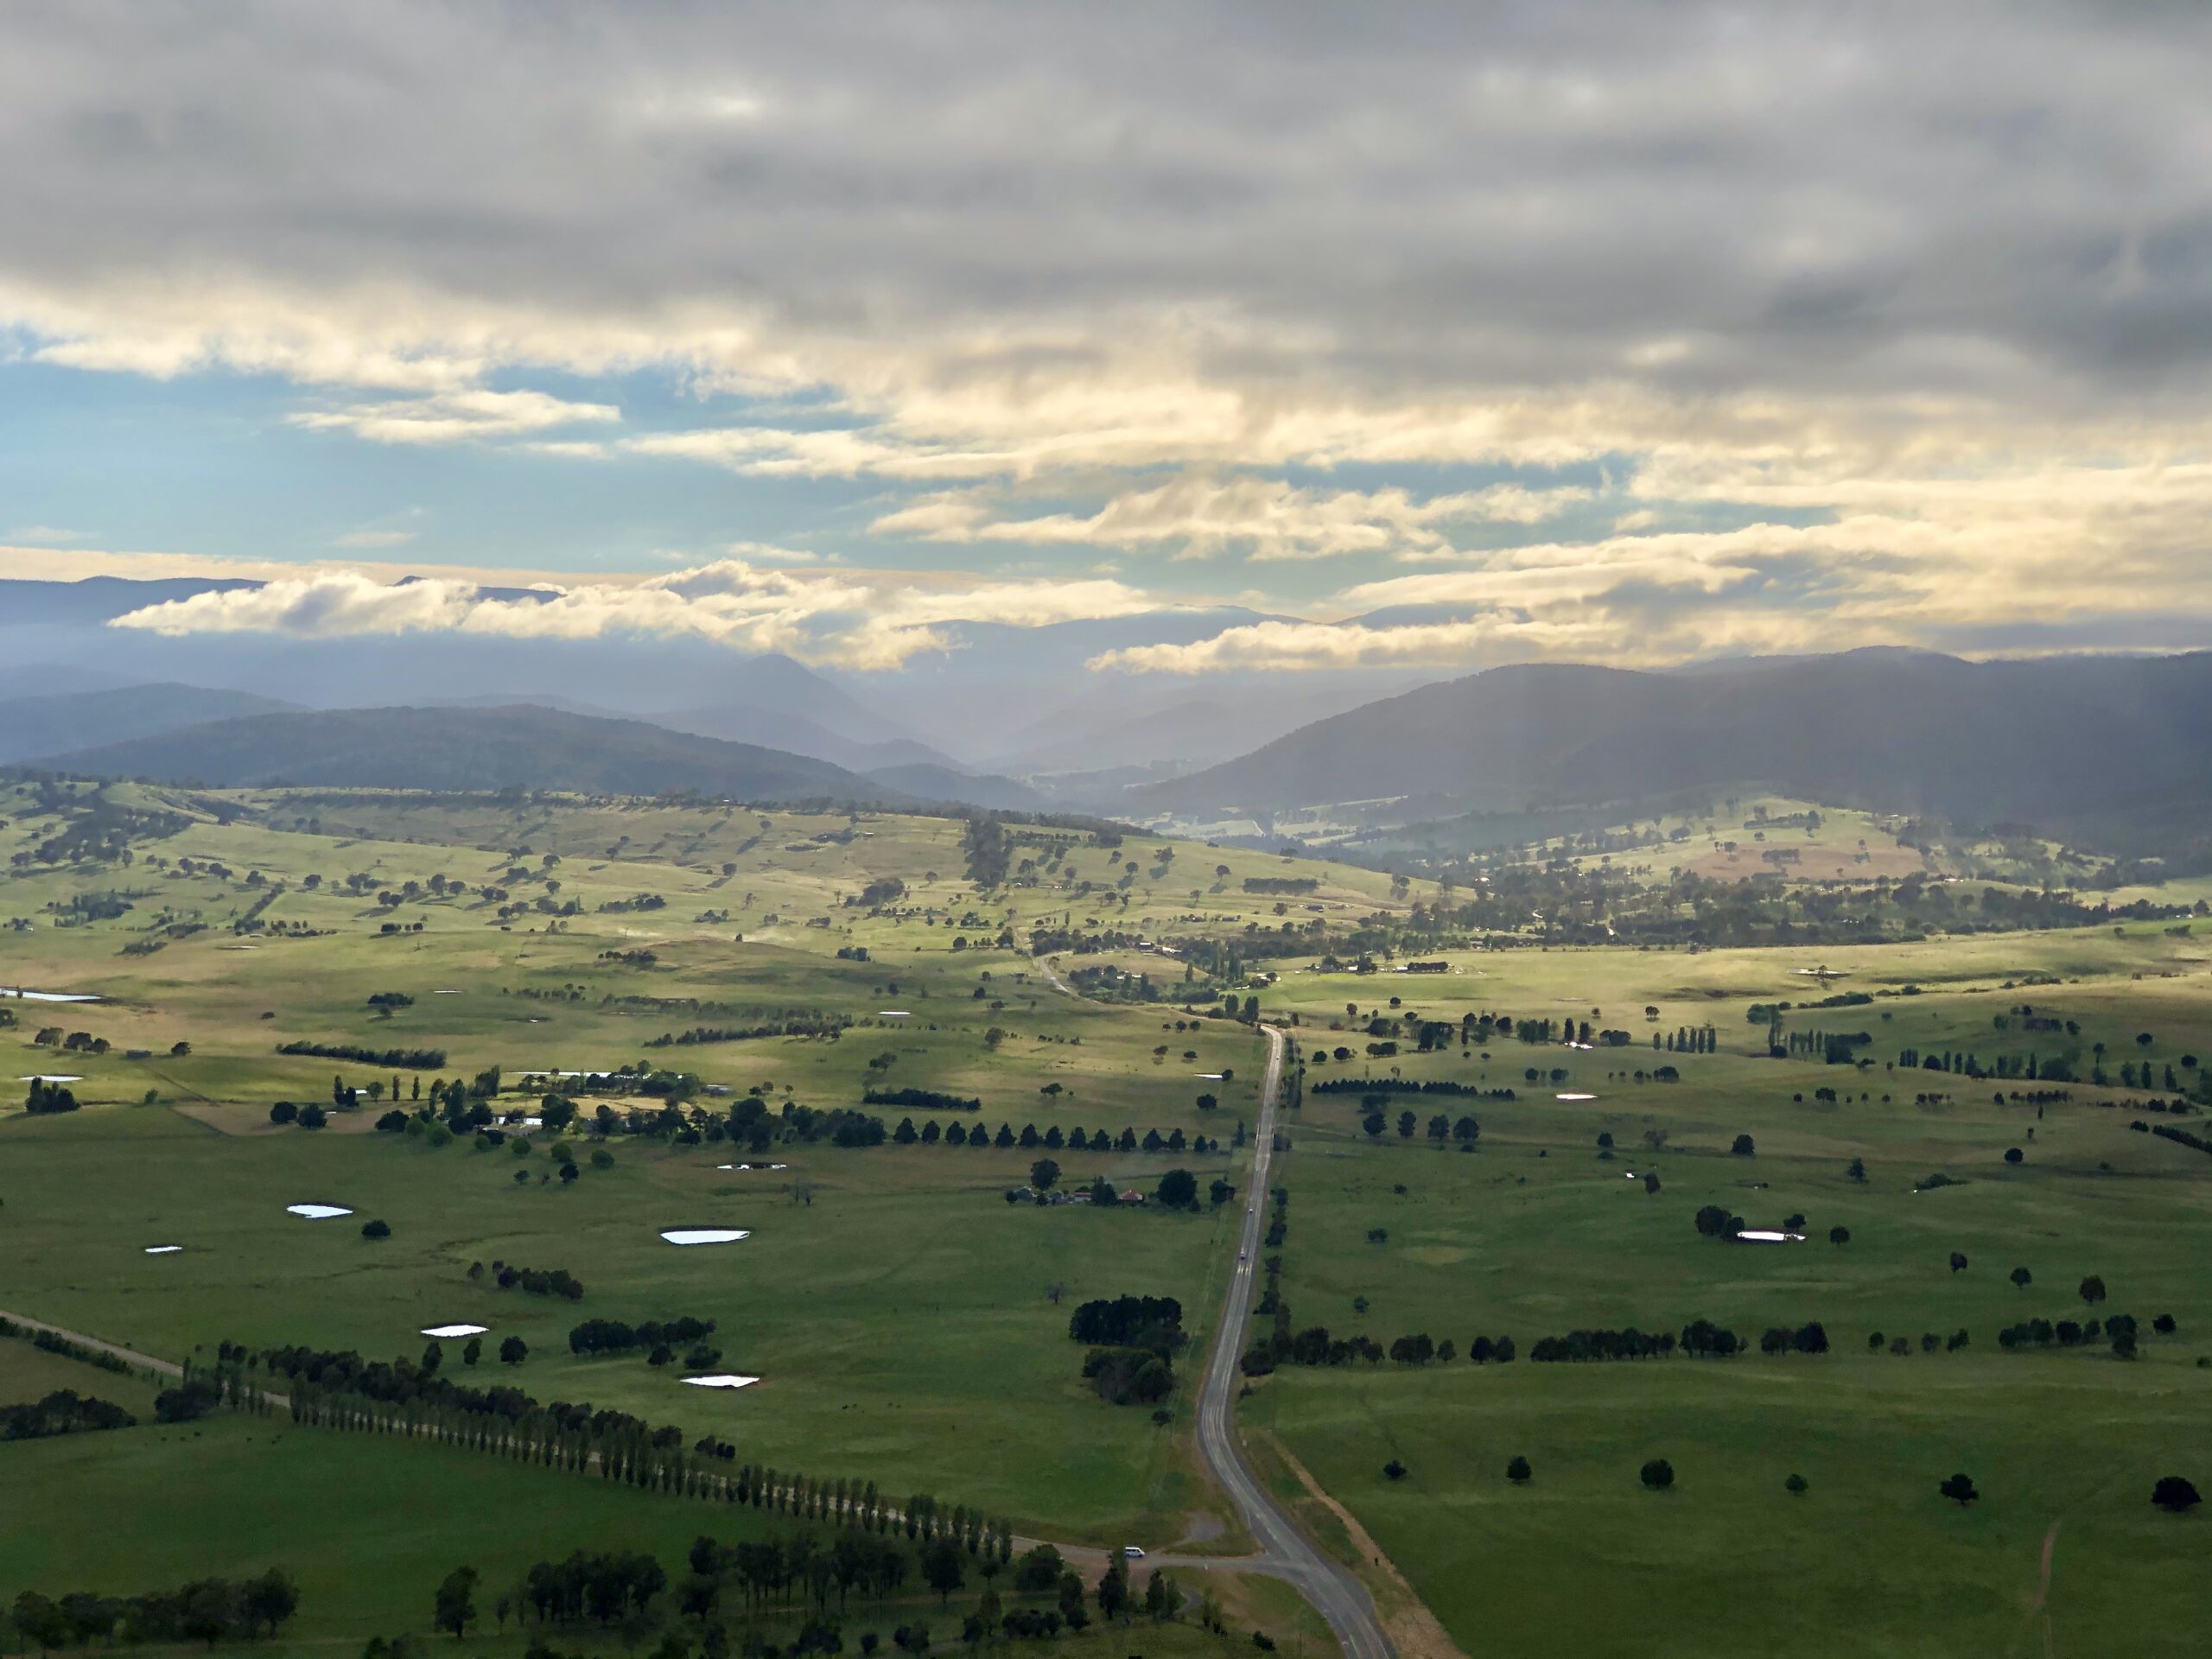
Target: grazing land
{"x": 521, "y": 1037}
{"x": 1539, "y": 1231}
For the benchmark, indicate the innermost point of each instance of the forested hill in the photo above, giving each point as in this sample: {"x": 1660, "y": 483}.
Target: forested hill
{"x": 525, "y": 747}
{"x": 2115, "y": 748}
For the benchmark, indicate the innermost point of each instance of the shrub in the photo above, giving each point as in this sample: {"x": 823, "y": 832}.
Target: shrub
{"x": 2175, "y": 1495}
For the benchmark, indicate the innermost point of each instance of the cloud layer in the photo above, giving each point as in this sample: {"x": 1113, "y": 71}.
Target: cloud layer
{"x": 865, "y": 625}
{"x": 1887, "y": 322}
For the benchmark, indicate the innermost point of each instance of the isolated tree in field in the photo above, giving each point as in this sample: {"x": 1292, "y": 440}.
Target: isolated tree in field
{"x": 1207, "y": 1103}
{"x": 1407, "y": 1124}
{"x": 1517, "y": 1470}
{"x": 1657, "y": 1475}
{"x": 1958, "y": 1262}
{"x": 1741, "y": 1147}
{"x": 1858, "y": 1169}
{"x": 2175, "y": 1495}
{"x": 1796, "y": 1485}
{"x": 1714, "y": 1221}
{"x": 1179, "y": 1190}
{"x": 1959, "y": 1490}
{"x": 1650, "y": 1182}
{"x": 513, "y": 1351}
{"x": 1393, "y": 1470}
{"x": 2093, "y": 1290}
{"x": 376, "y": 1230}
{"x": 1044, "y": 1174}
{"x": 473, "y": 1351}
{"x": 456, "y": 1603}
{"x": 2012, "y": 1155}
{"x": 1839, "y": 1237}
{"x": 2021, "y": 1277}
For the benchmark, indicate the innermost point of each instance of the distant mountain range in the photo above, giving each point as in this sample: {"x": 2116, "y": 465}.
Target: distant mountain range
{"x": 523, "y": 746}
{"x": 2112, "y": 751}
{"x": 997, "y": 698}
{"x": 57, "y": 723}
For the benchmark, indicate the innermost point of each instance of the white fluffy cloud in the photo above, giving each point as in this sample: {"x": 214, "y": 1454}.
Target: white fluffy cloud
{"x": 1267, "y": 519}
{"x": 875, "y": 623}
{"x": 456, "y": 416}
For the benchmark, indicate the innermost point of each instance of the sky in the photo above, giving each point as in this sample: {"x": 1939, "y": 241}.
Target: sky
{"x": 1442, "y": 336}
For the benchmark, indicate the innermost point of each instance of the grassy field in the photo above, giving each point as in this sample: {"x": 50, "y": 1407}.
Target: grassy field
{"x": 909, "y": 1325}
{"x": 368, "y": 1526}
{"x": 1540, "y": 1231}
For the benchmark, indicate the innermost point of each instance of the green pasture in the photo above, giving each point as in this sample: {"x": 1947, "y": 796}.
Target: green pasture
{"x": 1540, "y": 1231}
{"x": 367, "y": 1526}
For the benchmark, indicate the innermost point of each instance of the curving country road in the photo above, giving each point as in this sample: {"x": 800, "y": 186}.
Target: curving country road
{"x": 1285, "y": 1551}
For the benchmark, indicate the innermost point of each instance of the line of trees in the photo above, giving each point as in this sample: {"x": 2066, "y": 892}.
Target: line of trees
{"x": 811, "y": 1025}
{"x": 1381, "y": 1086}
{"x": 206, "y": 1610}
{"x": 341, "y": 1390}
{"x": 921, "y": 1099}
{"x": 534, "y": 1281}
{"x": 407, "y": 1060}
{"x": 614, "y": 1337}
{"x": 1052, "y": 1138}
{"x": 53, "y": 1342}
{"x": 63, "y": 1412}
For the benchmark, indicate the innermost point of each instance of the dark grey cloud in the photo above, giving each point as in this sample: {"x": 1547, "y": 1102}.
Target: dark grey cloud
{"x": 1883, "y": 200}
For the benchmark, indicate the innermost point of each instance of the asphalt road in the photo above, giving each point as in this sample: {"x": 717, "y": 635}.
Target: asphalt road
{"x": 1284, "y": 1550}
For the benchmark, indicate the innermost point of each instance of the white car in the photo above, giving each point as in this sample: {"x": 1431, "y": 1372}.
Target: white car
{"x": 1133, "y": 1552}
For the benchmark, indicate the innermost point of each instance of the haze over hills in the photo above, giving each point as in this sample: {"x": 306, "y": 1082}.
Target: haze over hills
{"x": 33, "y": 726}
{"x": 1902, "y": 731}
{"x": 448, "y": 748}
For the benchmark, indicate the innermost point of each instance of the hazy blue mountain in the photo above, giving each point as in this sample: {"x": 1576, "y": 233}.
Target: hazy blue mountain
{"x": 2116, "y": 749}
{"x": 1140, "y": 723}
{"x": 450, "y": 748}
{"x": 935, "y": 783}
{"x": 34, "y": 726}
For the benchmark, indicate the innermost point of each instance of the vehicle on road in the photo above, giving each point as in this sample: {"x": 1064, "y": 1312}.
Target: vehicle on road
{"x": 1133, "y": 1552}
